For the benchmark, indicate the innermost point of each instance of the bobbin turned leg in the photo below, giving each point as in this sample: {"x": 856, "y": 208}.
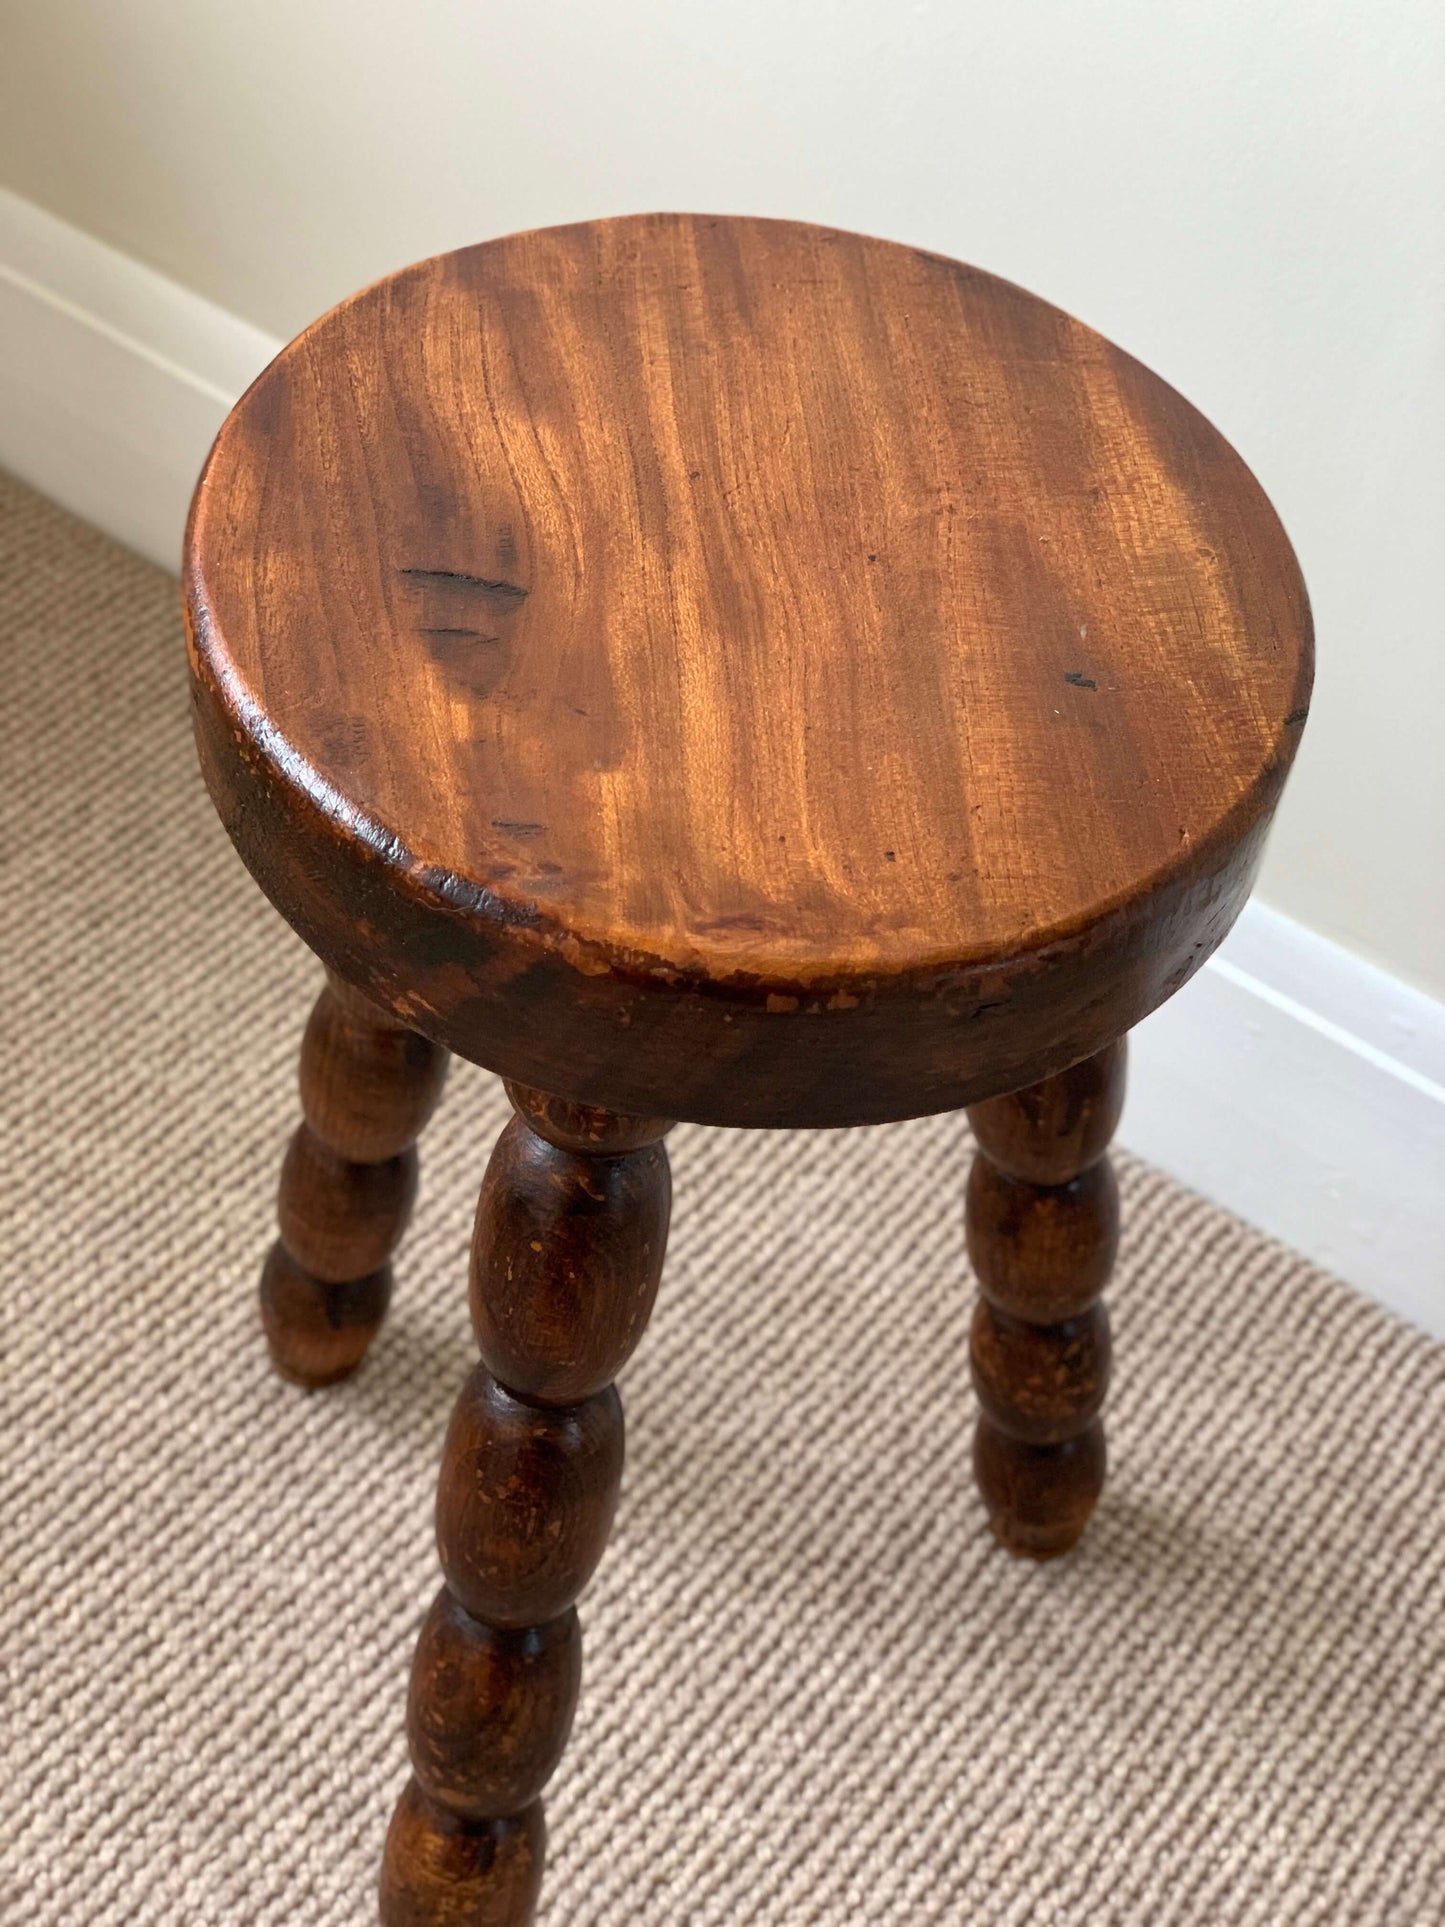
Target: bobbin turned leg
{"x": 348, "y": 1181}
{"x": 566, "y": 1257}
{"x": 1043, "y": 1227}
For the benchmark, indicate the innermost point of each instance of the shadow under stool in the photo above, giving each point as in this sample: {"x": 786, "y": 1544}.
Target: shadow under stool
{"x": 729, "y": 670}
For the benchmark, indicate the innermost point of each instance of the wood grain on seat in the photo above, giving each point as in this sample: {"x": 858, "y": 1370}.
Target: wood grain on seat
{"x": 731, "y": 669}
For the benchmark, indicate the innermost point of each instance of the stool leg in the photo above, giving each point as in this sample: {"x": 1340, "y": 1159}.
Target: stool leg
{"x": 566, "y": 1258}
{"x": 348, "y": 1182}
{"x": 1043, "y": 1228}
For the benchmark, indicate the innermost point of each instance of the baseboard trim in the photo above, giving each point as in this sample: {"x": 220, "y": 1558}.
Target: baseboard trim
{"x": 1305, "y": 1089}
{"x": 1292, "y": 1083}
{"x": 113, "y": 379}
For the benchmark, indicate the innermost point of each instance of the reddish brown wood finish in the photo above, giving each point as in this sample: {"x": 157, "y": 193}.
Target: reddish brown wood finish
{"x": 740, "y": 668}
{"x": 566, "y": 1254}
{"x": 569, "y": 1251}
{"x": 1043, "y": 1227}
{"x": 440, "y": 1870}
{"x": 347, "y": 1184}
{"x": 490, "y": 1709}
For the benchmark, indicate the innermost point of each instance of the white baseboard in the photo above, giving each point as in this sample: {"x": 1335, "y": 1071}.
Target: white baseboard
{"x": 1292, "y": 1083}
{"x": 113, "y": 380}
{"x": 1305, "y": 1090}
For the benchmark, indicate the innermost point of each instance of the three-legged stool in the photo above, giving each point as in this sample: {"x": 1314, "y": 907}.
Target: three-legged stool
{"x": 724, "y": 670}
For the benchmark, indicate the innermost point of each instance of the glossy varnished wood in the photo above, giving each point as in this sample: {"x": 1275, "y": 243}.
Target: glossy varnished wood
{"x": 348, "y": 1182}
{"x": 733, "y": 670}
{"x": 741, "y": 669}
{"x": 526, "y": 1500}
{"x": 490, "y": 1709}
{"x": 1043, "y": 1228}
{"x": 568, "y": 1251}
{"x": 566, "y": 1256}
{"x": 442, "y": 1870}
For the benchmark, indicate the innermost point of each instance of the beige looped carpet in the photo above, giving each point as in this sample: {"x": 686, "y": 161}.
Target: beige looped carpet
{"x": 814, "y": 1691}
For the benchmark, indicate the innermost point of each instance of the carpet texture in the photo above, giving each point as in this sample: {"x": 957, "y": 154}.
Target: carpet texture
{"x": 814, "y": 1692}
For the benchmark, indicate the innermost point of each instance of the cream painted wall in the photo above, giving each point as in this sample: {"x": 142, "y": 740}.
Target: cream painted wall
{"x": 1246, "y": 193}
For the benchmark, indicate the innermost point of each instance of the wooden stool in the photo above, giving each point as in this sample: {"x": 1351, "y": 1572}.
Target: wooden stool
{"x": 725, "y": 670}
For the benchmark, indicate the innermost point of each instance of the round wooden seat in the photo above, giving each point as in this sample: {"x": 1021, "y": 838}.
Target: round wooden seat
{"x": 733, "y": 670}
